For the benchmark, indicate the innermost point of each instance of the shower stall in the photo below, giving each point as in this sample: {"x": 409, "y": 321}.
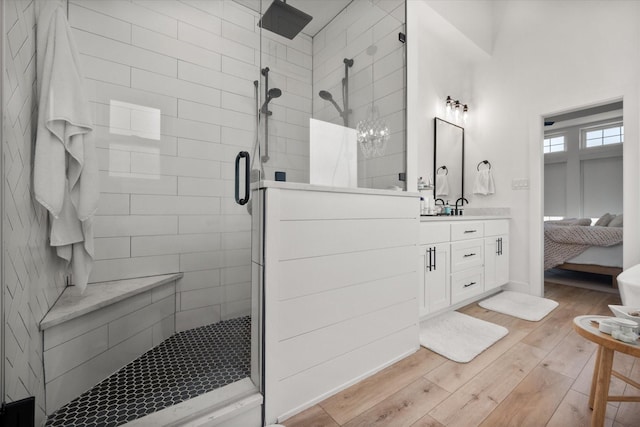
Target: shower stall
{"x": 195, "y": 103}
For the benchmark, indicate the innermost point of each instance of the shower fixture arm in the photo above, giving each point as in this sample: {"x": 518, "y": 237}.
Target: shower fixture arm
{"x": 348, "y": 63}
{"x": 269, "y": 94}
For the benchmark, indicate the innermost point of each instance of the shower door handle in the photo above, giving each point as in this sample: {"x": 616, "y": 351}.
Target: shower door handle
{"x": 242, "y": 155}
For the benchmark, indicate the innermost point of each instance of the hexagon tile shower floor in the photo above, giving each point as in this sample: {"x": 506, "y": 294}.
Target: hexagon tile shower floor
{"x": 184, "y": 366}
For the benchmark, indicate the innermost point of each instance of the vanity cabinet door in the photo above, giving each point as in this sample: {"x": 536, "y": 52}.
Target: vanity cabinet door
{"x": 496, "y": 264}
{"x": 436, "y": 291}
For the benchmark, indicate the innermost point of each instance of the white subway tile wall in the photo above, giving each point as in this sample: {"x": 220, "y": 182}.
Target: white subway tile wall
{"x": 366, "y": 32}
{"x": 171, "y": 87}
{"x": 33, "y": 277}
{"x": 83, "y": 351}
{"x": 80, "y": 360}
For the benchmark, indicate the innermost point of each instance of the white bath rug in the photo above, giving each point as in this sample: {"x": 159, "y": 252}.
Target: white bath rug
{"x": 517, "y": 304}
{"x": 459, "y": 337}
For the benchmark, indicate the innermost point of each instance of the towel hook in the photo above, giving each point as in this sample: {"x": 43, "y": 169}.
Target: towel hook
{"x": 486, "y": 162}
{"x": 444, "y": 168}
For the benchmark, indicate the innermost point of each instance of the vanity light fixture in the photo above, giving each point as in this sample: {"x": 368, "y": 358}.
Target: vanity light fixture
{"x": 449, "y": 105}
{"x": 456, "y": 108}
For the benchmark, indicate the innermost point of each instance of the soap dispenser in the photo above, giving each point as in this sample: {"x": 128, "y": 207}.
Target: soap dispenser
{"x": 447, "y": 208}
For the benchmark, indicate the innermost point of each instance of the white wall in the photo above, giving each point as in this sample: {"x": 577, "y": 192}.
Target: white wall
{"x": 547, "y": 57}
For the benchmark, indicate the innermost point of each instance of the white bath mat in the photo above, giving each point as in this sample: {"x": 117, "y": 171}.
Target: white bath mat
{"x": 459, "y": 337}
{"x": 519, "y": 305}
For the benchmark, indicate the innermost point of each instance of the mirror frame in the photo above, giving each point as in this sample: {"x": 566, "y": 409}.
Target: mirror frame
{"x": 435, "y": 149}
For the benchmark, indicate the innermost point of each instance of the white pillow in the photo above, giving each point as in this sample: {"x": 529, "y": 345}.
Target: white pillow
{"x": 616, "y": 222}
{"x": 604, "y": 220}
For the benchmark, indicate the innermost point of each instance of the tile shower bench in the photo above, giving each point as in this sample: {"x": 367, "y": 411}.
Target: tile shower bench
{"x": 87, "y": 338}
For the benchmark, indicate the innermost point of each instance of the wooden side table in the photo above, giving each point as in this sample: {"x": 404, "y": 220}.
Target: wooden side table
{"x": 603, "y": 370}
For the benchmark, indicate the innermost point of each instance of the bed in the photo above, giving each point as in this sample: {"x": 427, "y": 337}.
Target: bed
{"x": 573, "y": 245}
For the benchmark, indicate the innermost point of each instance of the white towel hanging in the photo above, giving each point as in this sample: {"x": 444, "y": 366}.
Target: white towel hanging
{"x": 65, "y": 172}
{"x": 442, "y": 184}
{"x": 484, "y": 184}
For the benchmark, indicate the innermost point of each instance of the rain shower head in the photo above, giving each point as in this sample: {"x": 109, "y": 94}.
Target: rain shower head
{"x": 284, "y": 20}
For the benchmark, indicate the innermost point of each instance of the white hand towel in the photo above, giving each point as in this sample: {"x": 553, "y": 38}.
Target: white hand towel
{"x": 442, "y": 184}
{"x": 484, "y": 184}
{"x": 65, "y": 175}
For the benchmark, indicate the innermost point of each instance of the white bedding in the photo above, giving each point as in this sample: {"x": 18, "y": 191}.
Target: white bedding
{"x": 610, "y": 256}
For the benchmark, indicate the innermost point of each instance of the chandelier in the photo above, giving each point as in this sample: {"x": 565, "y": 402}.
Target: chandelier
{"x": 373, "y": 133}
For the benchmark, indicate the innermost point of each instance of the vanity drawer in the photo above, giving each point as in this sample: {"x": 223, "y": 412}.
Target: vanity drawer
{"x": 434, "y": 232}
{"x": 466, "y": 284}
{"x": 466, "y": 230}
{"x": 496, "y": 227}
{"x": 467, "y": 254}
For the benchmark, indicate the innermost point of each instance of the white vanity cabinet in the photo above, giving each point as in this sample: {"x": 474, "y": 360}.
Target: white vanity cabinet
{"x": 434, "y": 272}
{"x": 467, "y": 260}
{"x": 460, "y": 260}
{"x": 496, "y": 254}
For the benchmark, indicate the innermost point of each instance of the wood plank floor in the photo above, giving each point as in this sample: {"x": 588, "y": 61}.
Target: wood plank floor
{"x": 538, "y": 375}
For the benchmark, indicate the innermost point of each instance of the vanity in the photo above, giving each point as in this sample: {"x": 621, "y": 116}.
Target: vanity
{"x": 462, "y": 259}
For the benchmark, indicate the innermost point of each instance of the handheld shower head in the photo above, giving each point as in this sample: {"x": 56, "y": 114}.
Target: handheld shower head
{"x": 328, "y": 97}
{"x": 272, "y": 94}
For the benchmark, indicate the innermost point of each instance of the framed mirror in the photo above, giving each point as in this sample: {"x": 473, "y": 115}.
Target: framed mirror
{"x": 448, "y": 161}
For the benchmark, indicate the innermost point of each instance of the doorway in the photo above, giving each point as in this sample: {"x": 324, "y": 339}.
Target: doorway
{"x": 583, "y": 187}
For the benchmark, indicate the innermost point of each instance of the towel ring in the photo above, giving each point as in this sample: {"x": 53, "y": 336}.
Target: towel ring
{"x": 486, "y": 162}
{"x": 446, "y": 171}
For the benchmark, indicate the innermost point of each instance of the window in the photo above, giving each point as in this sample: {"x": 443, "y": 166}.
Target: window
{"x": 603, "y": 135}
{"x": 554, "y": 144}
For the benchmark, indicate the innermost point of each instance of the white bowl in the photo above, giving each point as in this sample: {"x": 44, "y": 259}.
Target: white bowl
{"x": 623, "y": 311}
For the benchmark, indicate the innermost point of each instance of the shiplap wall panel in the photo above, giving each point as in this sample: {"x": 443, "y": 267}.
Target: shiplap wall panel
{"x": 343, "y": 235}
{"x": 305, "y": 314}
{"x": 335, "y": 284}
{"x": 297, "y": 389}
{"x": 315, "y": 347}
{"x": 309, "y": 276}
{"x": 312, "y": 204}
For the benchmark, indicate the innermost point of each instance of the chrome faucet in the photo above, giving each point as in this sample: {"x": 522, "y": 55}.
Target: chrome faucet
{"x": 462, "y": 201}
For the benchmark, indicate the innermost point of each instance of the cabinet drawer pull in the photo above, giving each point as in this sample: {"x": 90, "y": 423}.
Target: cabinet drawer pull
{"x": 468, "y": 255}
{"x": 469, "y": 284}
{"x": 470, "y": 231}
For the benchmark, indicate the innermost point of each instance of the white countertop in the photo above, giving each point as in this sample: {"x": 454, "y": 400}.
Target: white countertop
{"x": 323, "y": 188}
{"x": 432, "y": 218}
